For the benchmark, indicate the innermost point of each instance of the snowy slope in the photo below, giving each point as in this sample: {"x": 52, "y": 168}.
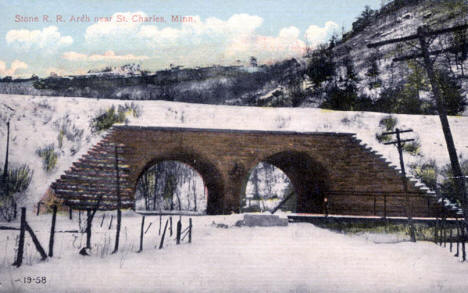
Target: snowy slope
{"x": 36, "y": 122}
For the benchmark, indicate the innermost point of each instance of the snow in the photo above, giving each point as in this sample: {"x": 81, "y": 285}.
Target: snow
{"x": 34, "y": 124}
{"x": 298, "y": 258}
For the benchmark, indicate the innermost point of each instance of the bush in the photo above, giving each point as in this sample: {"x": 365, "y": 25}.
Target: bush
{"x": 49, "y": 156}
{"x": 108, "y": 118}
{"x": 18, "y": 181}
{"x": 387, "y": 124}
{"x": 413, "y": 148}
{"x": 426, "y": 172}
{"x": 447, "y": 187}
{"x": 19, "y": 178}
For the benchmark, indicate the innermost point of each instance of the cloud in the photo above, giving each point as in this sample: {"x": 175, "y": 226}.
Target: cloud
{"x": 105, "y": 29}
{"x": 74, "y": 56}
{"x": 286, "y": 45}
{"x": 48, "y": 39}
{"x": 15, "y": 66}
{"x": 197, "y": 42}
{"x": 107, "y": 56}
{"x": 136, "y": 34}
{"x": 316, "y": 35}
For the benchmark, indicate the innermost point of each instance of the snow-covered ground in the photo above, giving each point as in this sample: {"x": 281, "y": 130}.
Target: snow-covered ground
{"x": 224, "y": 258}
{"x": 37, "y": 121}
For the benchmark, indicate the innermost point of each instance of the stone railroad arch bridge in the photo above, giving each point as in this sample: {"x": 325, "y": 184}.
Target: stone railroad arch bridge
{"x": 336, "y": 166}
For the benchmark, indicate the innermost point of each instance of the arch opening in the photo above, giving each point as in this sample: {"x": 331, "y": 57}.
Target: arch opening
{"x": 180, "y": 182}
{"x": 304, "y": 180}
{"x": 171, "y": 186}
{"x": 267, "y": 186}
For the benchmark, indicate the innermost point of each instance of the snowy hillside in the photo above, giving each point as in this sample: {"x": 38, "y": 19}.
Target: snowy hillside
{"x": 37, "y": 122}
{"x": 397, "y": 23}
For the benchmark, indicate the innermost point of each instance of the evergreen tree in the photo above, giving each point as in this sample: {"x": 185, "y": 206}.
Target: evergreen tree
{"x": 454, "y": 101}
{"x": 321, "y": 66}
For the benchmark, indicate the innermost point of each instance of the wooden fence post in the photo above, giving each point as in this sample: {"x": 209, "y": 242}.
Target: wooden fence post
{"x": 110, "y": 224}
{"x": 444, "y": 231}
{"x": 36, "y": 242}
{"x": 458, "y": 238}
{"x": 117, "y": 235}
{"x": 19, "y": 256}
{"x": 103, "y": 217}
{"x": 190, "y": 231}
{"x": 70, "y": 213}
{"x": 146, "y": 231}
{"x": 119, "y": 201}
{"x": 163, "y": 235}
{"x": 141, "y": 233}
{"x": 170, "y": 226}
{"x": 38, "y": 208}
{"x": 179, "y": 230}
{"x": 88, "y": 228}
{"x": 462, "y": 228}
{"x": 52, "y": 231}
{"x": 450, "y": 235}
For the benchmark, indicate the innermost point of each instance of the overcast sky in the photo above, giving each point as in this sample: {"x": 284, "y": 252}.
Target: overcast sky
{"x": 41, "y": 36}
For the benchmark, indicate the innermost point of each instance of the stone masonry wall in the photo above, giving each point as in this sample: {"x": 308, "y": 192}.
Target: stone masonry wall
{"x": 336, "y": 166}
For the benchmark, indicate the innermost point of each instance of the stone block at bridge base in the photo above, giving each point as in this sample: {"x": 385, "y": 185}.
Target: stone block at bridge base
{"x": 263, "y": 220}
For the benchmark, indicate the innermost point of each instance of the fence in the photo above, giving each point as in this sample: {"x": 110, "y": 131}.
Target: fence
{"x": 101, "y": 245}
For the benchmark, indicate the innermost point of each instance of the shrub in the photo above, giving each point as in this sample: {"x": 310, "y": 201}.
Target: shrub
{"x": 49, "y": 156}
{"x": 387, "y": 123}
{"x": 346, "y": 121}
{"x": 19, "y": 178}
{"x": 108, "y": 118}
{"x": 130, "y": 109}
{"x": 447, "y": 187}
{"x": 18, "y": 181}
{"x": 67, "y": 129}
{"x": 426, "y": 172}
{"x": 60, "y": 138}
{"x": 413, "y": 148}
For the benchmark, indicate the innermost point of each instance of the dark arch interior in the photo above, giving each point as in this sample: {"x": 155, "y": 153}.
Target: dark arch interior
{"x": 210, "y": 175}
{"x": 309, "y": 178}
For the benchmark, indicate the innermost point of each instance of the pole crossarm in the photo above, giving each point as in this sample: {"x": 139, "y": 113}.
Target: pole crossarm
{"x": 395, "y": 132}
{"x": 452, "y": 49}
{"x": 416, "y": 36}
{"x": 401, "y": 141}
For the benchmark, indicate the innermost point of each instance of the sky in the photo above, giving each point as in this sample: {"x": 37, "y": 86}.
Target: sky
{"x": 72, "y": 37}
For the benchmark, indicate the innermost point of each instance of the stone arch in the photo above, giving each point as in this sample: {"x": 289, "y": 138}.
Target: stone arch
{"x": 308, "y": 177}
{"x": 210, "y": 175}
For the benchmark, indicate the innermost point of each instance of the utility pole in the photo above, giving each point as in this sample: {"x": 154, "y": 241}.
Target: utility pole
{"x": 422, "y": 35}
{"x": 399, "y": 144}
{"x": 5, "y": 169}
{"x": 119, "y": 201}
